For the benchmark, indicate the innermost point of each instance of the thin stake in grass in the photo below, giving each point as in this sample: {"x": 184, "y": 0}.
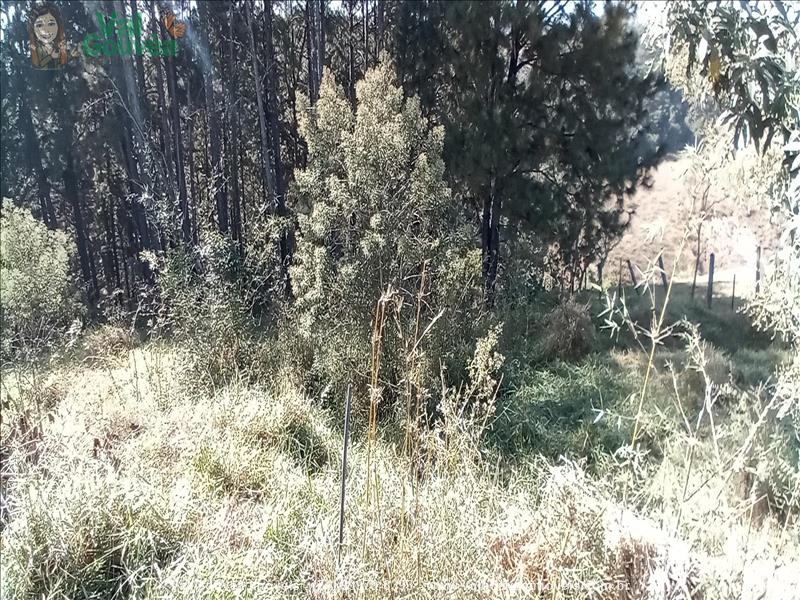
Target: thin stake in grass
{"x": 344, "y": 472}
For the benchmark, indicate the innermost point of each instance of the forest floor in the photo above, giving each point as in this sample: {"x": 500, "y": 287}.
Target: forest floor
{"x": 122, "y": 478}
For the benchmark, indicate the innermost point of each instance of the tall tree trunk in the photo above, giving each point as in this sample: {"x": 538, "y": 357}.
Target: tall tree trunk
{"x": 351, "y": 59}
{"x": 177, "y": 151}
{"x": 165, "y": 139}
{"x": 490, "y": 240}
{"x": 268, "y": 180}
{"x": 133, "y": 109}
{"x": 315, "y": 37}
{"x": 274, "y": 133}
{"x": 232, "y": 119}
{"x": 320, "y": 38}
{"x": 81, "y": 239}
{"x": 135, "y": 16}
{"x": 110, "y": 247}
{"x": 110, "y": 258}
{"x": 125, "y": 267}
{"x": 34, "y": 156}
{"x": 134, "y": 146}
{"x": 217, "y": 176}
{"x": 380, "y": 17}
{"x": 365, "y": 24}
{"x": 192, "y": 171}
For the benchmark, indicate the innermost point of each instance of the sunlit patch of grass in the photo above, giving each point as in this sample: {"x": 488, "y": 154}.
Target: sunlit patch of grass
{"x": 91, "y": 535}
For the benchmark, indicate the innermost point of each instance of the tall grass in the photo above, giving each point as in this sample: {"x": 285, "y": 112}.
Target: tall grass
{"x": 127, "y": 480}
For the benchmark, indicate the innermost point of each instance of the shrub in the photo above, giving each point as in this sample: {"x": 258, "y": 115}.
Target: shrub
{"x": 205, "y": 309}
{"x": 87, "y": 536}
{"x": 108, "y": 341}
{"x": 381, "y": 240}
{"x": 568, "y": 331}
{"x": 750, "y": 367}
{"x": 37, "y": 303}
{"x": 558, "y": 410}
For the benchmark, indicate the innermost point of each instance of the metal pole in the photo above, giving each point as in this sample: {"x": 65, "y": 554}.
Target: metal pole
{"x": 344, "y": 473}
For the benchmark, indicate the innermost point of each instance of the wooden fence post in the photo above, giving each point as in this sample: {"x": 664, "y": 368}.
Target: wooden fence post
{"x": 733, "y": 293}
{"x": 600, "y": 279}
{"x": 663, "y": 272}
{"x": 758, "y": 269}
{"x": 694, "y": 279}
{"x": 710, "y": 290}
{"x": 633, "y": 275}
{"x": 619, "y": 280}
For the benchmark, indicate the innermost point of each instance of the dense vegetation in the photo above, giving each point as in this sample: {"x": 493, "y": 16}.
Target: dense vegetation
{"x": 414, "y": 202}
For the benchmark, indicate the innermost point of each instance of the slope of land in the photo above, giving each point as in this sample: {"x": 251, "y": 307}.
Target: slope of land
{"x": 663, "y": 212}
{"x": 121, "y": 478}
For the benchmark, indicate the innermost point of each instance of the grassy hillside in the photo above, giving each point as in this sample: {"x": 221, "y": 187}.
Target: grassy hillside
{"x": 123, "y": 478}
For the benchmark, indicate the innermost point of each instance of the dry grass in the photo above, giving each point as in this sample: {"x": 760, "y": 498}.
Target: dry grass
{"x": 141, "y": 488}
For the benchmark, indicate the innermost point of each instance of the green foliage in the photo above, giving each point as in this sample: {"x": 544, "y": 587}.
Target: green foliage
{"x": 37, "y": 302}
{"x": 539, "y": 140}
{"x": 379, "y": 235}
{"x": 752, "y": 367}
{"x": 568, "y": 331}
{"x": 88, "y": 537}
{"x": 559, "y": 410}
{"x": 750, "y": 57}
{"x": 206, "y": 309}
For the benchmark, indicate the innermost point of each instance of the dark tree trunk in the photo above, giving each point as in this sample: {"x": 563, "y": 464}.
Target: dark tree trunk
{"x": 36, "y": 164}
{"x": 351, "y": 59}
{"x": 292, "y": 79}
{"x": 138, "y": 45}
{"x": 380, "y": 17}
{"x": 133, "y": 149}
{"x": 274, "y": 133}
{"x": 192, "y": 171}
{"x": 490, "y": 241}
{"x": 177, "y": 151}
{"x": 315, "y": 38}
{"x": 111, "y": 246}
{"x": 165, "y": 138}
{"x": 217, "y": 177}
{"x": 232, "y": 118}
{"x": 268, "y": 180}
{"x": 365, "y": 24}
{"x": 125, "y": 267}
{"x": 81, "y": 239}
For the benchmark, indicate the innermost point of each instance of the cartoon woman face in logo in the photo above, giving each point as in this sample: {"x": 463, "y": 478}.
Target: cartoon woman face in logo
{"x": 46, "y": 36}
